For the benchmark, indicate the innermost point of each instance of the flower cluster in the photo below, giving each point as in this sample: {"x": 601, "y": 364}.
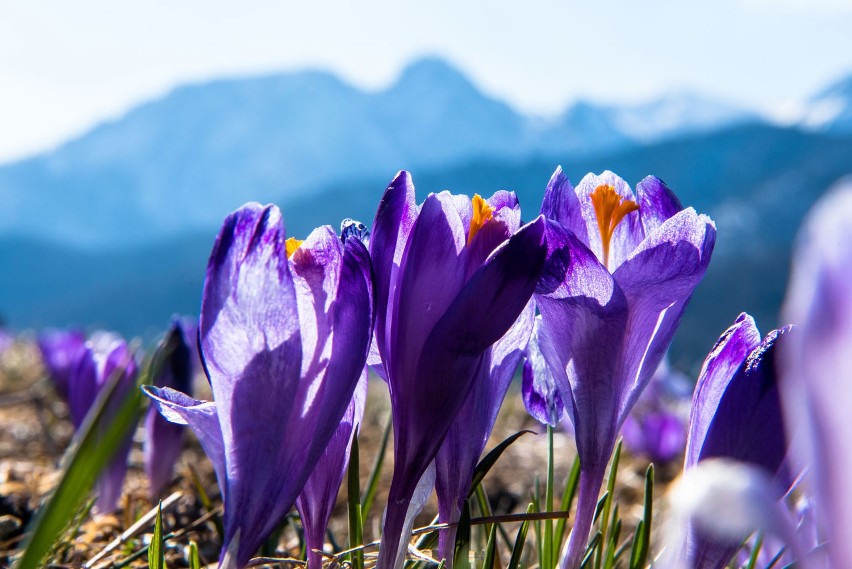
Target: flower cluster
{"x": 445, "y": 300}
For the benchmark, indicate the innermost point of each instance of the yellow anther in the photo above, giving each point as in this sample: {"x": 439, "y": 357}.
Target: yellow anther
{"x": 482, "y": 213}
{"x": 291, "y": 245}
{"x": 610, "y": 209}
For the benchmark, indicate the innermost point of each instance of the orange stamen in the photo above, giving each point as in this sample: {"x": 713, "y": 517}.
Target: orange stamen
{"x": 291, "y": 245}
{"x": 610, "y": 209}
{"x": 482, "y": 213}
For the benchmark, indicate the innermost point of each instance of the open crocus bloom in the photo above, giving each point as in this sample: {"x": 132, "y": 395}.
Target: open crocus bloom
{"x": 284, "y": 332}
{"x": 451, "y": 277}
{"x": 817, "y": 380}
{"x": 608, "y": 316}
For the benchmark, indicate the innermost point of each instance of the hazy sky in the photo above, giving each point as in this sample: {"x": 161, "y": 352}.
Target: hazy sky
{"x": 64, "y": 66}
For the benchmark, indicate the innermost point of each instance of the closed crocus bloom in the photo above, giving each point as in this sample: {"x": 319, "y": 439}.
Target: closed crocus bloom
{"x": 451, "y": 277}
{"x": 59, "y": 349}
{"x": 610, "y": 314}
{"x": 817, "y": 378}
{"x": 736, "y": 414}
{"x": 316, "y": 502}
{"x": 163, "y": 439}
{"x": 101, "y": 361}
{"x": 284, "y": 332}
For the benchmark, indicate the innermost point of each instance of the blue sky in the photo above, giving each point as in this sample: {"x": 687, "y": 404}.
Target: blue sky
{"x": 66, "y": 66}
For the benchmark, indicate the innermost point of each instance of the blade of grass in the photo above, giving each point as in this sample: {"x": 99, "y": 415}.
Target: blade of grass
{"x": 537, "y": 528}
{"x": 547, "y": 561}
{"x": 642, "y": 537}
{"x": 490, "y": 548}
{"x": 156, "y": 551}
{"x": 462, "y": 547}
{"x": 373, "y": 482}
{"x": 607, "y": 511}
{"x": 755, "y": 552}
{"x": 194, "y": 560}
{"x": 485, "y": 508}
{"x": 356, "y": 520}
{"x": 92, "y": 448}
{"x": 491, "y": 458}
{"x": 591, "y": 551}
{"x": 520, "y": 541}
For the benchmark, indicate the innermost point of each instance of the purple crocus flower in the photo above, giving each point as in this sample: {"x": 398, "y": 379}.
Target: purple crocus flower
{"x": 59, "y": 349}
{"x": 611, "y": 313}
{"x": 103, "y": 359}
{"x": 316, "y": 502}
{"x": 284, "y": 332}
{"x": 466, "y": 439}
{"x": 656, "y": 426}
{"x": 817, "y": 379}
{"x": 736, "y": 414}
{"x": 163, "y": 439}
{"x": 450, "y": 280}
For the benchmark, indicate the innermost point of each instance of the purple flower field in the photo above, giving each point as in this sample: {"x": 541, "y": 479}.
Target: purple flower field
{"x": 458, "y": 383}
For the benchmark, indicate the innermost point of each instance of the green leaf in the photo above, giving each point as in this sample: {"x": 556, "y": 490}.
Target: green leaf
{"x": 194, "y": 560}
{"x": 462, "y": 548}
{"x": 520, "y": 541}
{"x": 591, "y": 550}
{"x": 755, "y": 552}
{"x": 642, "y": 537}
{"x": 490, "y": 548}
{"x": 607, "y": 509}
{"x": 356, "y": 520}
{"x": 491, "y": 459}
{"x": 548, "y": 561}
{"x": 156, "y": 551}
{"x": 373, "y": 483}
{"x": 90, "y": 451}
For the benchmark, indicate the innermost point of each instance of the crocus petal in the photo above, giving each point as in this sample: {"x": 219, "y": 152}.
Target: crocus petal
{"x": 251, "y": 345}
{"x": 201, "y": 416}
{"x": 658, "y": 279}
{"x": 164, "y": 440}
{"x": 432, "y": 275}
{"x": 538, "y": 388}
{"x": 627, "y": 234}
{"x": 394, "y": 220}
{"x": 59, "y": 349}
{"x": 466, "y": 439}
{"x": 657, "y": 203}
{"x": 726, "y": 357}
{"x": 317, "y": 499}
{"x": 817, "y": 381}
{"x": 587, "y": 307}
{"x": 106, "y": 366}
{"x": 479, "y": 316}
{"x": 562, "y": 205}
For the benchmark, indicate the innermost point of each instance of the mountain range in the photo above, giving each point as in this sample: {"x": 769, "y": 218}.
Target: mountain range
{"x": 113, "y": 229}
